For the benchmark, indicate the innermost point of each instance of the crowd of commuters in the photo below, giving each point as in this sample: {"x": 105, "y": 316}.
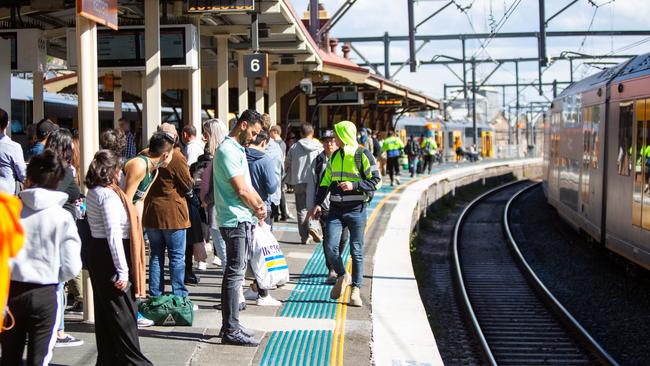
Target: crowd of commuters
{"x": 174, "y": 196}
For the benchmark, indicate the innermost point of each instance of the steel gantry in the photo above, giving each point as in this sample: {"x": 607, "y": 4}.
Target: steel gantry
{"x": 541, "y": 59}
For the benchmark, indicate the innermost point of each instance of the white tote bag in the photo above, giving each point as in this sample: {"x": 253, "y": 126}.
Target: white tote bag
{"x": 268, "y": 262}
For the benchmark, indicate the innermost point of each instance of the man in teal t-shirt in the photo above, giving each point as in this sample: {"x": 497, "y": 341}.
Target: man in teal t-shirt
{"x": 238, "y": 206}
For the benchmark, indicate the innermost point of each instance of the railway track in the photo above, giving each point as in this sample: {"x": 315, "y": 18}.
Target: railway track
{"x": 515, "y": 319}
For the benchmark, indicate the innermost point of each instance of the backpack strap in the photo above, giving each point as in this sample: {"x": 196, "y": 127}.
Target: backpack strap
{"x": 358, "y": 159}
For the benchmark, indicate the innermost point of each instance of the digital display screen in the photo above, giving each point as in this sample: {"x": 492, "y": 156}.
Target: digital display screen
{"x": 13, "y": 39}
{"x": 117, "y": 46}
{"x": 204, "y": 6}
{"x": 125, "y": 48}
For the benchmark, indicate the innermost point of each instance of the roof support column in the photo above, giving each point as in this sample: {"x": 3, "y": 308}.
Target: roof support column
{"x": 259, "y": 97}
{"x": 273, "y": 97}
{"x": 242, "y": 84}
{"x": 222, "y": 78}
{"x": 302, "y": 100}
{"x": 387, "y": 56}
{"x": 88, "y": 117}
{"x": 5, "y": 81}
{"x": 38, "y": 109}
{"x": 117, "y": 98}
{"x": 152, "y": 93}
{"x": 194, "y": 89}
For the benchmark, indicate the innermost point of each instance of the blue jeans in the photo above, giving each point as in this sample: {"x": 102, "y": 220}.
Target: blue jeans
{"x": 219, "y": 245}
{"x": 174, "y": 241}
{"x": 355, "y": 221}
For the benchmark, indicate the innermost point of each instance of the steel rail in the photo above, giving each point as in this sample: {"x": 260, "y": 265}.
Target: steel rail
{"x": 458, "y": 274}
{"x": 547, "y": 297}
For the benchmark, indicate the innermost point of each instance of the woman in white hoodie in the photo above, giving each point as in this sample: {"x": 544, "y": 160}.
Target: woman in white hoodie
{"x": 50, "y": 255}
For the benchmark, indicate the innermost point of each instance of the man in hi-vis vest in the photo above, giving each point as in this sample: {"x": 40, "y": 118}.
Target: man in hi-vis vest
{"x": 351, "y": 177}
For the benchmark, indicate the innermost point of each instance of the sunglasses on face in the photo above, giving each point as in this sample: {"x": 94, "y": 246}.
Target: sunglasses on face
{"x": 170, "y": 137}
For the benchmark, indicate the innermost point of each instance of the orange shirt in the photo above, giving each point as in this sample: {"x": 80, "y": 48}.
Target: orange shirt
{"x": 11, "y": 241}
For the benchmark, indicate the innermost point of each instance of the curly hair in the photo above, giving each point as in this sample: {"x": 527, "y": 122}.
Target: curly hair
{"x": 102, "y": 169}
{"x": 114, "y": 140}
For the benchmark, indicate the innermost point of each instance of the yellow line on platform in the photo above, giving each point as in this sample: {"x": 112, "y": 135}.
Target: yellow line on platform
{"x": 342, "y": 307}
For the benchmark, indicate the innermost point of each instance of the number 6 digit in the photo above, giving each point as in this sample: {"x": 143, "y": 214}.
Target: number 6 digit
{"x": 255, "y": 65}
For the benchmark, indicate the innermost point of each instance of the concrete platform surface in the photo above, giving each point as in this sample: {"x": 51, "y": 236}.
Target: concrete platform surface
{"x": 309, "y": 328}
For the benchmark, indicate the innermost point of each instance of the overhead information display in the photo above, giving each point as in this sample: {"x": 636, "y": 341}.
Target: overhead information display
{"x": 126, "y": 47}
{"x": 209, "y": 6}
{"x": 116, "y": 46}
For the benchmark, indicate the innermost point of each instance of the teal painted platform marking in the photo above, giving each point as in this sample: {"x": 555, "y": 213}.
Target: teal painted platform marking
{"x": 310, "y": 299}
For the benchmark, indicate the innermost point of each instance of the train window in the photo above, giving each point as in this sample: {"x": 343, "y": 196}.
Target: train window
{"x": 595, "y": 126}
{"x": 625, "y": 125}
{"x": 638, "y": 163}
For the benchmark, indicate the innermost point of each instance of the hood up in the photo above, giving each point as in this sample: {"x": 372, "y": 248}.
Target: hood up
{"x": 39, "y": 199}
{"x": 347, "y": 132}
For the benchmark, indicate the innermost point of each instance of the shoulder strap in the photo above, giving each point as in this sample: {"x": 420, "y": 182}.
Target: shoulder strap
{"x": 358, "y": 159}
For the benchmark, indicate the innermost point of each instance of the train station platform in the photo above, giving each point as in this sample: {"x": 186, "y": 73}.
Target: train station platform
{"x": 391, "y": 328}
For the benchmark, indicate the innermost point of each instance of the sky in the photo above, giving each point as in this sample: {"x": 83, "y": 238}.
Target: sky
{"x": 374, "y": 17}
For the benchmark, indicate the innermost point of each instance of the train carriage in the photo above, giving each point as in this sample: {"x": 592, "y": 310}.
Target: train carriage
{"x": 597, "y": 162}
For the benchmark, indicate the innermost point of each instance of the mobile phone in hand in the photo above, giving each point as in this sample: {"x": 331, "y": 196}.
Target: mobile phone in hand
{"x": 126, "y": 288}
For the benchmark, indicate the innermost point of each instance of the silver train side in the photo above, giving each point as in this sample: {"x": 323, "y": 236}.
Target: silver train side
{"x": 597, "y": 158}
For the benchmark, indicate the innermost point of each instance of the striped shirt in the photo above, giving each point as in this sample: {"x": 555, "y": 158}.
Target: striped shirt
{"x": 108, "y": 220}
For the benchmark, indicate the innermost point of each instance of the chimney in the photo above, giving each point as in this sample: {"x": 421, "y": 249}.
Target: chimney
{"x": 333, "y": 44}
{"x": 346, "y": 51}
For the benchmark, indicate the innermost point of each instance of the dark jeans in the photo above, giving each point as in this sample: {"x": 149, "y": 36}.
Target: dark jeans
{"x": 428, "y": 163}
{"x": 355, "y": 221}
{"x": 393, "y": 167}
{"x": 345, "y": 235}
{"x": 413, "y": 164}
{"x": 238, "y": 242}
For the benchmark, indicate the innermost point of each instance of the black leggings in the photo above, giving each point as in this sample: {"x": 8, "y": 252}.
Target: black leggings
{"x": 35, "y": 308}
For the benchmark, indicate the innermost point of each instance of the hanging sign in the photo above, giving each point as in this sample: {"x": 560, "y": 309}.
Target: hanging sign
{"x": 102, "y": 12}
{"x": 256, "y": 65}
{"x": 220, "y": 6}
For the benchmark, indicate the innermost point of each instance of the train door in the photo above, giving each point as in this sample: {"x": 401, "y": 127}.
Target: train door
{"x": 641, "y": 166}
{"x": 589, "y": 177}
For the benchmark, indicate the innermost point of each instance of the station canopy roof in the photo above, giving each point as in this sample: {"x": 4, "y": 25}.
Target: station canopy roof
{"x": 284, "y": 36}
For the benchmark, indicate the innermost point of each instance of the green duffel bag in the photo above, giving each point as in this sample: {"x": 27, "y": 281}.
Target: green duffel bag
{"x": 168, "y": 310}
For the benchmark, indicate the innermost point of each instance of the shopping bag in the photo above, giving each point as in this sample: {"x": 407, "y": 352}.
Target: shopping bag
{"x": 268, "y": 262}
{"x": 199, "y": 252}
{"x": 168, "y": 310}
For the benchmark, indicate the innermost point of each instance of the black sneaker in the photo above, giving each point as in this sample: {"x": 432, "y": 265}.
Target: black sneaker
{"x": 192, "y": 280}
{"x": 247, "y": 332}
{"x": 238, "y": 338}
{"x": 68, "y": 341}
{"x": 76, "y": 308}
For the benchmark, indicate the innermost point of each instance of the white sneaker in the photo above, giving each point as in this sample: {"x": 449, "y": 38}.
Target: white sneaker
{"x": 216, "y": 261}
{"x": 203, "y": 266}
{"x": 250, "y": 294}
{"x": 268, "y": 301}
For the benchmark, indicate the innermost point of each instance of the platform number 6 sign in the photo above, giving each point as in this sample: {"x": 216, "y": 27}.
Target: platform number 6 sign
{"x": 256, "y": 65}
